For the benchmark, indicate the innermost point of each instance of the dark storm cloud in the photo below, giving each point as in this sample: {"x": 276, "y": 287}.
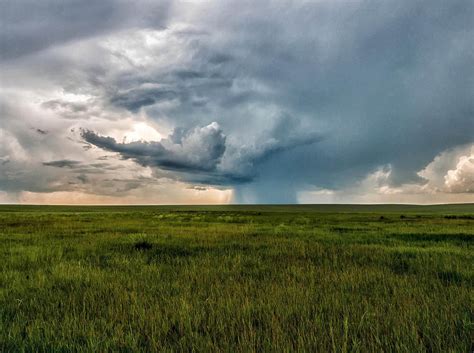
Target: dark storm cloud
{"x": 197, "y": 150}
{"x": 28, "y": 26}
{"x": 389, "y": 82}
{"x": 63, "y": 163}
{"x": 198, "y": 153}
{"x": 310, "y": 94}
{"x": 134, "y": 99}
{"x": 186, "y": 87}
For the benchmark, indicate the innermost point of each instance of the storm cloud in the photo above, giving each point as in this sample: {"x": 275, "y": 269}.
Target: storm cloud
{"x": 197, "y": 150}
{"x": 200, "y": 153}
{"x": 63, "y": 163}
{"x": 278, "y": 102}
{"x": 30, "y": 26}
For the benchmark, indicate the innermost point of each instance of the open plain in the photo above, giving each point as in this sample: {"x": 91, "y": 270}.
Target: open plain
{"x": 322, "y": 278}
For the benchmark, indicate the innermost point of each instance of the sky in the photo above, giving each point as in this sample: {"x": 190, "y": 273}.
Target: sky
{"x": 202, "y": 102}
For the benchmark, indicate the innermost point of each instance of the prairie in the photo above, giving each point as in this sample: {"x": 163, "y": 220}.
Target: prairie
{"x": 322, "y": 278}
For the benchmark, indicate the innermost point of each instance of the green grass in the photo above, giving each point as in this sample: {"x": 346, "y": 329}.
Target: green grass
{"x": 237, "y": 279}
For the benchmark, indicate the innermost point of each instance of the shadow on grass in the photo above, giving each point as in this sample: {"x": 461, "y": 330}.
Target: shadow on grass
{"x": 454, "y": 278}
{"x": 463, "y": 238}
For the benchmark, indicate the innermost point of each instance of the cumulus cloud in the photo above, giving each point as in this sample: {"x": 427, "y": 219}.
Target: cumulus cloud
{"x": 201, "y": 153}
{"x": 199, "y": 149}
{"x": 461, "y": 179}
{"x": 448, "y": 178}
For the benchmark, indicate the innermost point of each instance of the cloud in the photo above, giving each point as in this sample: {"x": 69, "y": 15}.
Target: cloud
{"x": 30, "y": 26}
{"x": 63, "y": 163}
{"x": 311, "y": 96}
{"x": 70, "y": 110}
{"x": 448, "y": 178}
{"x": 199, "y": 149}
{"x": 461, "y": 179}
{"x": 41, "y": 132}
{"x": 202, "y": 153}
{"x": 197, "y": 188}
{"x": 134, "y": 99}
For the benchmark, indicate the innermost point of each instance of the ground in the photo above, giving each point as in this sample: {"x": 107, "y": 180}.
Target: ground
{"x": 237, "y": 278}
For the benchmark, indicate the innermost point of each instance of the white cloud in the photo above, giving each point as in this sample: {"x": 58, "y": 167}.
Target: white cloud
{"x": 461, "y": 179}
{"x": 448, "y": 178}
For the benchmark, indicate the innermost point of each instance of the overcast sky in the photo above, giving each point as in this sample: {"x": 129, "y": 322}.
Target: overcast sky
{"x": 236, "y": 101}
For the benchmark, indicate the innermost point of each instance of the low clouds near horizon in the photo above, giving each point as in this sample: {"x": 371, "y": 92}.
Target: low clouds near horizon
{"x": 195, "y": 102}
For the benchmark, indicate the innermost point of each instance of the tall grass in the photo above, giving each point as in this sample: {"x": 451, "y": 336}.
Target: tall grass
{"x": 236, "y": 280}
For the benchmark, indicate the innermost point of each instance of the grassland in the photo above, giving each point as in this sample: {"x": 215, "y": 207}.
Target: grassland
{"x": 237, "y": 279}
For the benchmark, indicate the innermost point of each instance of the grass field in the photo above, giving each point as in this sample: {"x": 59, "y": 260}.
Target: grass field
{"x": 237, "y": 279}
